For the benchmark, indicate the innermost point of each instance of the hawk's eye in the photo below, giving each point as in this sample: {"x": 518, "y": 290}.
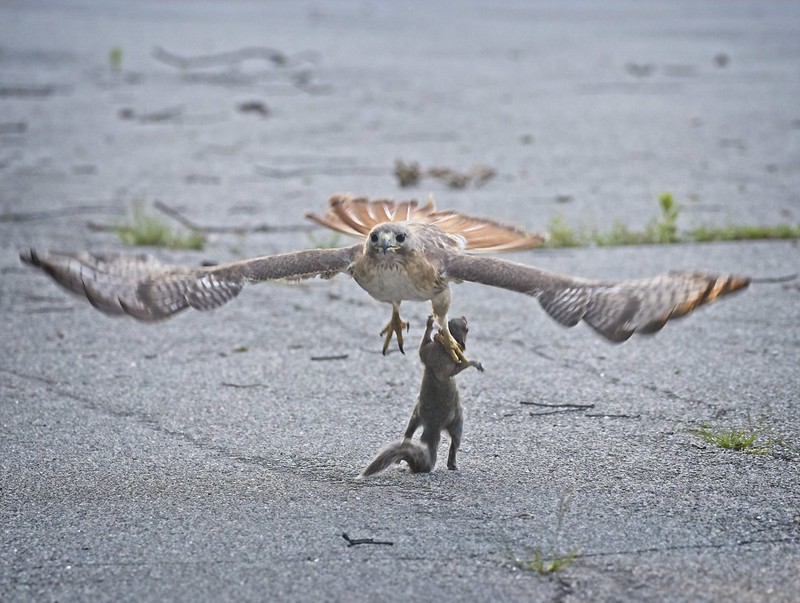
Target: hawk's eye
{"x": 373, "y": 237}
{"x": 400, "y": 238}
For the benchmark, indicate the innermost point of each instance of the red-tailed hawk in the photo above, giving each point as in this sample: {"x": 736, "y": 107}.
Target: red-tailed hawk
{"x": 407, "y": 253}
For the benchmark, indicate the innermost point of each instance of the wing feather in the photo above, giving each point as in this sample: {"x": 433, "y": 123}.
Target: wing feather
{"x": 210, "y": 287}
{"x": 357, "y": 216}
{"x": 147, "y": 289}
{"x": 107, "y": 280}
{"x": 616, "y": 310}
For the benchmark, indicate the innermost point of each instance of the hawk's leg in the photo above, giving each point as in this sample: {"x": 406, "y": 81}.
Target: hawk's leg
{"x": 440, "y": 305}
{"x": 394, "y": 327}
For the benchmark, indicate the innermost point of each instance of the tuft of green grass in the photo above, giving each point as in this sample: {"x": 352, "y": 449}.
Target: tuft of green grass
{"x": 562, "y": 235}
{"x": 538, "y": 564}
{"x": 662, "y": 230}
{"x": 148, "y": 230}
{"x": 659, "y": 230}
{"x": 619, "y": 235}
{"x": 553, "y": 563}
{"x": 743, "y": 439}
{"x": 115, "y": 58}
{"x": 734, "y": 232}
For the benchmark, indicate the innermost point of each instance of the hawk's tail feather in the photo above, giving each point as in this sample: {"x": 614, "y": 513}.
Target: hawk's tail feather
{"x": 357, "y": 216}
{"x": 418, "y": 457}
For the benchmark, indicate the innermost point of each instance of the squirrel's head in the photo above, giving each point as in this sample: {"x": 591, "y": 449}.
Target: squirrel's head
{"x": 458, "y": 329}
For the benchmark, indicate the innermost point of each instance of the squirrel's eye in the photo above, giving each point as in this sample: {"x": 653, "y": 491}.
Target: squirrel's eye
{"x": 400, "y": 238}
{"x": 373, "y": 237}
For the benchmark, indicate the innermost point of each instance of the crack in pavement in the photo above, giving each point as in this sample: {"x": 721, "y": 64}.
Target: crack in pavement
{"x": 689, "y": 547}
{"x": 309, "y": 473}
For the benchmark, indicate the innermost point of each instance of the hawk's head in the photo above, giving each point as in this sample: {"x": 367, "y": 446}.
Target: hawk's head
{"x": 390, "y": 237}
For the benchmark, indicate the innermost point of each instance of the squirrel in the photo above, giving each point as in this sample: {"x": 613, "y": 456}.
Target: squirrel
{"x": 438, "y": 406}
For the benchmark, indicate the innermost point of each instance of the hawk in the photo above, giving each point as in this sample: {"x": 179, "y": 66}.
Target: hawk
{"x": 408, "y": 252}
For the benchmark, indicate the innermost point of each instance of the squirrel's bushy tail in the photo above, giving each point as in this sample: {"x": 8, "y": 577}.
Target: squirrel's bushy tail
{"x": 418, "y": 457}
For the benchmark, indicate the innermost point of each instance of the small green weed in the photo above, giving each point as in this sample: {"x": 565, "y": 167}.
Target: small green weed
{"x": 542, "y": 566}
{"x": 664, "y": 229}
{"x": 147, "y": 230}
{"x": 115, "y": 58}
{"x": 744, "y": 439}
{"x": 553, "y": 563}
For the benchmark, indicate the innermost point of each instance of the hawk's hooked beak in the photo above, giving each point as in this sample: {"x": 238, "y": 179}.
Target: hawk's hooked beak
{"x": 385, "y": 242}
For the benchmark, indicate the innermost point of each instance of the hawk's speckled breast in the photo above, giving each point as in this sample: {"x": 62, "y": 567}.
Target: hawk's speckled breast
{"x": 397, "y": 278}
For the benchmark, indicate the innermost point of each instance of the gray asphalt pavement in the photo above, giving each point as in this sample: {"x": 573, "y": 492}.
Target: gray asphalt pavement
{"x": 213, "y": 457}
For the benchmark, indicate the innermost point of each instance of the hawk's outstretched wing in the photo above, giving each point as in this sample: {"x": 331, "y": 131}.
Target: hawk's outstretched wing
{"x": 107, "y": 280}
{"x": 616, "y": 310}
{"x": 143, "y": 287}
{"x": 356, "y": 216}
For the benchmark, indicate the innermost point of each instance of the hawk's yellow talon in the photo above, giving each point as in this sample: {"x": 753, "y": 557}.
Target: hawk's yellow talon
{"x": 451, "y": 345}
{"x": 395, "y": 327}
